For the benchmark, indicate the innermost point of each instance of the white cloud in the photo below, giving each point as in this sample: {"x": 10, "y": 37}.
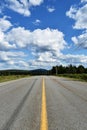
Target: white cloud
{"x": 35, "y": 2}
{"x": 3, "y": 56}
{"x": 6, "y": 46}
{"x": 37, "y": 22}
{"x": 46, "y": 60}
{"x": 23, "y": 64}
{"x": 4, "y": 24}
{"x": 47, "y": 39}
{"x": 79, "y": 15}
{"x": 19, "y": 36}
{"x": 45, "y": 57}
{"x": 75, "y": 59}
{"x": 80, "y": 40}
{"x": 13, "y": 60}
{"x": 11, "y": 54}
{"x": 72, "y": 12}
{"x": 21, "y": 6}
{"x": 83, "y": 1}
{"x": 50, "y": 9}
{"x": 44, "y": 44}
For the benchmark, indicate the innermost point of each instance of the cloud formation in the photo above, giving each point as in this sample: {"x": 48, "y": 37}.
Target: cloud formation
{"x": 44, "y": 44}
{"x": 37, "y": 22}
{"x": 79, "y": 14}
{"x": 81, "y": 40}
{"x": 18, "y": 46}
{"x": 47, "y": 39}
{"x": 50, "y": 9}
{"x": 21, "y": 6}
{"x": 4, "y": 24}
{"x": 9, "y": 59}
{"x": 35, "y": 2}
{"x": 83, "y": 1}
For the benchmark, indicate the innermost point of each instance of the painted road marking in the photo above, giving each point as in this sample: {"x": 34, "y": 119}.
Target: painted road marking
{"x": 44, "y": 121}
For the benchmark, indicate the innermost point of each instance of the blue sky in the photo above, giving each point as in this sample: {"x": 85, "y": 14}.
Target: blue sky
{"x": 42, "y": 33}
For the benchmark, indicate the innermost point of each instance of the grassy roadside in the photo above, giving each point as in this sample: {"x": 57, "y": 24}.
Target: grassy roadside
{"x": 80, "y": 77}
{"x": 11, "y": 77}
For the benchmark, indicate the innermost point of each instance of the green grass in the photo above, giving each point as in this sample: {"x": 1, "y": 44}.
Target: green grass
{"x": 11, "y": 77}
{"x": 81, "y": 77}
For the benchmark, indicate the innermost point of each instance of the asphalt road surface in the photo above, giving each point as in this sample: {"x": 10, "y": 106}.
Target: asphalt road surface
{"x": 43, "y": 103}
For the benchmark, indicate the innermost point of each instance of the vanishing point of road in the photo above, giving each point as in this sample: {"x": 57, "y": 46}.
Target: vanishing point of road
{"x": 43, "y": 103}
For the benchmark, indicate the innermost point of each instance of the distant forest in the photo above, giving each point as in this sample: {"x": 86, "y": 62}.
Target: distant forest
{"x": 68, "y": 69}
{"x": 54, "y": 71}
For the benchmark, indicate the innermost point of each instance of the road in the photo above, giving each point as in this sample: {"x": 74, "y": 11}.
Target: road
{"x": 43, "y": 103}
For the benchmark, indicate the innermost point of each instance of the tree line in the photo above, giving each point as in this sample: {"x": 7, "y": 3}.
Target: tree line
{"x": 54, "y": 71}
{"x": 13, "y": 72}
{"x": 71, "y": 69}
{"x": 23, "y": 72}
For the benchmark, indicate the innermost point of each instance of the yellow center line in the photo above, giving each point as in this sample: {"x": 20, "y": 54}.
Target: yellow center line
{"x": 44, "y": 122}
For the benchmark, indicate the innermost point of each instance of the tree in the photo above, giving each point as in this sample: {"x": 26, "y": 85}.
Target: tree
{"x": 53, "y": 70}
{"x": 80, "y": 69}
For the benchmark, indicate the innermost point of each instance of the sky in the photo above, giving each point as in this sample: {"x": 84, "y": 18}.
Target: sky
{"x": 42, "y": 33}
